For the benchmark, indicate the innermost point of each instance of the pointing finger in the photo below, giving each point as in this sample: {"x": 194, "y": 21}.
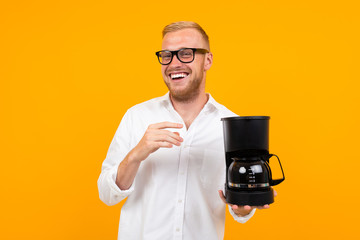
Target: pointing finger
{"x": 165, "y": 125}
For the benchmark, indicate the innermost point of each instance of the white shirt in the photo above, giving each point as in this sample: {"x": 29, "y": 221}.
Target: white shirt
{"x": 175, "y": 191}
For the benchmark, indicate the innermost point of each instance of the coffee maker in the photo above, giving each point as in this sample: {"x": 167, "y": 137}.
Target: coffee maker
{"x": 248, "y": 174}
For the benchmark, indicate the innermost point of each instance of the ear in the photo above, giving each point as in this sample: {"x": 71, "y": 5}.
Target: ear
{"x": 208, "y": 61}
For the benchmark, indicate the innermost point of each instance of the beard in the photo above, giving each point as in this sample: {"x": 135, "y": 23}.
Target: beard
{"x": 185, "y": 93}
{"x": 188, "y": 92}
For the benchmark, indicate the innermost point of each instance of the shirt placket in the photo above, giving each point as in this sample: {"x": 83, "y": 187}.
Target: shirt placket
{"x": 181, "y": 184}
{"x": 184, "y": 157}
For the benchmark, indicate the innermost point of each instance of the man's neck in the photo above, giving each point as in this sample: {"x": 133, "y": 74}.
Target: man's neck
{"x": 189, "y": 110}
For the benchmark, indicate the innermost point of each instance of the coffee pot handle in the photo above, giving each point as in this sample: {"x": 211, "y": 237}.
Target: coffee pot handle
{"x": 277, "y": 181}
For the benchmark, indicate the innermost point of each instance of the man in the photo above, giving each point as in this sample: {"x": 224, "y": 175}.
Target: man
{"x": 167, "y": 156}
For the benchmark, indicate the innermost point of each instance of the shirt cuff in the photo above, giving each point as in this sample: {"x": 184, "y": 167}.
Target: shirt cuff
{"x": 243, "y": 219}
{"x": 115, "y": 188}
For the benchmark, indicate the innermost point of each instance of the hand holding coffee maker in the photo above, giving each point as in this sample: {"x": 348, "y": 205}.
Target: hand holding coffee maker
{"x": 248, "y": 174}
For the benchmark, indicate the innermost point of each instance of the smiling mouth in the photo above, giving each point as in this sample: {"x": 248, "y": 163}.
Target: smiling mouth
{"x": 178, "y": 76}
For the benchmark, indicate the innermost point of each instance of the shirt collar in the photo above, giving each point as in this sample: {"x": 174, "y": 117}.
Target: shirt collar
{"x": 211, "y": 104}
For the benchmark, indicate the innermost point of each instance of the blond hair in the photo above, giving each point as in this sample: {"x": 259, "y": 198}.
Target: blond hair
{"x": 176, "y": 26}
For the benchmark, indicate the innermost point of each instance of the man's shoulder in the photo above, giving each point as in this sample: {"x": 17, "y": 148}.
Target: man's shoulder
{"x": 223, "y": 111}
{"x": 148, "y": 105}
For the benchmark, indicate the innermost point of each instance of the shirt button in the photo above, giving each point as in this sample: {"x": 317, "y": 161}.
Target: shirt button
{"x": 180, "y": 201}
{"x": 178, "y": 229}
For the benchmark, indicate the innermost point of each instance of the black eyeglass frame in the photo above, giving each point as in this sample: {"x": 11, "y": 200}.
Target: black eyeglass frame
{"x": 200, "y": 50}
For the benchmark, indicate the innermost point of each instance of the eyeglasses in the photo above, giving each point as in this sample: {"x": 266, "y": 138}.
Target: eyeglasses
{"x": 185, "y": 55}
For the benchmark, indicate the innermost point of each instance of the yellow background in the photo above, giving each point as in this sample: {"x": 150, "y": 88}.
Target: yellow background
{"x": 70, "y": 69}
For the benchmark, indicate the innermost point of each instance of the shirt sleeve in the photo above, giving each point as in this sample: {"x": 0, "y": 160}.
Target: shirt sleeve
{"x": 109, "y": 192}
{"x": 241, "y": 219}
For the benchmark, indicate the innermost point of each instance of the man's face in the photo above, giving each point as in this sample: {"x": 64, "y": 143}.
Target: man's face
{"x": 185, "y": 80}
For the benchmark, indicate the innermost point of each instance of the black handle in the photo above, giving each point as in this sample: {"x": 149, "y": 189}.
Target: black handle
{"x": 277, "y": 181}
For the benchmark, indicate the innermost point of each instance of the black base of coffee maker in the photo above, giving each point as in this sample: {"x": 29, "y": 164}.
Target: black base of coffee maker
{"x": 251, "y": 198}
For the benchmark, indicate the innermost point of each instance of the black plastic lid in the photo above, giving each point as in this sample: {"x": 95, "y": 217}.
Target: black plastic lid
{"x": 248, "y": 134}
{"x": 246, "y": 117}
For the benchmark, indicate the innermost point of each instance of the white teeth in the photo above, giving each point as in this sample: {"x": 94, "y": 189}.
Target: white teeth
{"x": 178, "y": 75}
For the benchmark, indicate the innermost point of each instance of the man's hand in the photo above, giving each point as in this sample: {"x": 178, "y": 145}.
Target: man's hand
{"x": 156, "y": 137}
{"x": 242, "y": 211}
